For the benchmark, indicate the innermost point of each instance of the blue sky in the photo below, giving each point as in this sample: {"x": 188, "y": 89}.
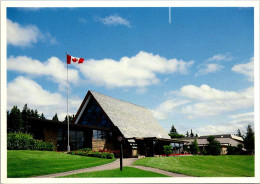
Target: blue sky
{"x": 195, "y": 72}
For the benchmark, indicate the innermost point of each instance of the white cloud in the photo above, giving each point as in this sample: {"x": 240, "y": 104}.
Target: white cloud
{"x": 242, "y": 115}
{"x": 247, "y": 69}
{"x": 204, "y": 101}
{"x": 217, "y": 129}
{"x": 167, "y": 107}
{"x": 137, "y": 71}
{"x": 21, "y": 36}
{"x": 24, "y": 36}
{"x": 221, "y": 57}
{"x": 208, "y": 101}
{"x": 242, "y": 119}
{"x": 238, "y": 121}
{"x": 115, "y": 20}
{"x": 53, "y": 68}
{"x": 209, "y": 68}
{"x": 23, "y": 90}
{"x": 206, "y": 93}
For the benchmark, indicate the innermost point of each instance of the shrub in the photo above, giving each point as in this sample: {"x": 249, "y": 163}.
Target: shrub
{"x": 19, "y": 141}
{"x": 85, "y": 149}
{"x": 97, "y": 154}
{"x": 214, "y": 147}
{"x": 194, "y": 148}
{"x": 167, "y": 149}
{"x": 91, "y": 153}
{"x": 231, "y": 150}
{"x": 22, "y": 141}
{"x": 104, "y": 155}
{"x": 203, "y": 152}
{"x": 110, "y": 156}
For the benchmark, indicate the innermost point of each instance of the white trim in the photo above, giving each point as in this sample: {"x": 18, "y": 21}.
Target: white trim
{"x": 82, "y": 110}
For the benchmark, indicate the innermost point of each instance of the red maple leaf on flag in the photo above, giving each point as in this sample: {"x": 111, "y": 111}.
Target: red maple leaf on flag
{"x": 74, "y": 59}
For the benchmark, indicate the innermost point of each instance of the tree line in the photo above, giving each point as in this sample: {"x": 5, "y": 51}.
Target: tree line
{"x": 174, "y": 134}
{"x": 17, "y": 120}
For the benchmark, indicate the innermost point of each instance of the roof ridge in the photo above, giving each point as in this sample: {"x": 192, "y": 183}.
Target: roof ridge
{"x": 120, "y": 100}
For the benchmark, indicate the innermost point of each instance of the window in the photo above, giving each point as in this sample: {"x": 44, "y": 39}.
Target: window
{"x": 94, "y": 116}
{"x": 98, "y": 134}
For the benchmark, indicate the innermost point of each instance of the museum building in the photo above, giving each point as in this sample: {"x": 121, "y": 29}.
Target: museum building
{"x": 99, "y": 122}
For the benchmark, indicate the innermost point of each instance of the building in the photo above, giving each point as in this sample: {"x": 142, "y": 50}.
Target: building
{"x": 224, "y": 139}
{"x": 99, "y": 122}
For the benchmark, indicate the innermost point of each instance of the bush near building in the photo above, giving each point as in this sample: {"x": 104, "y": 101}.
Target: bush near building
{"x": 88, "y": 152}
{"x": 22, "y": 141}
{"x": 167, "y": 149}
{"x": 194, "y": 148}
{"x": 214, "y": 147}
{"x": 238, "y": 150}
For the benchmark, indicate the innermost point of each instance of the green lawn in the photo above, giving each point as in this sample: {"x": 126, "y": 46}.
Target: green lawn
{"x": 126, "y": 172}
{"x": 207, "y": 166}
{"x": 25, "y": 163}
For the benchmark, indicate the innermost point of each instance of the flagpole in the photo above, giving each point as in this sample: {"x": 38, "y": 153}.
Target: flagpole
{"x": 68, "y": 147}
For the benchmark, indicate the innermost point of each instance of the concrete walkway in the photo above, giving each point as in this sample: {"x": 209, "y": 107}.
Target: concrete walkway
{"x": 113, "y": 165}
{"x": 109, "y": 166}
{"x": 160, "y": 171}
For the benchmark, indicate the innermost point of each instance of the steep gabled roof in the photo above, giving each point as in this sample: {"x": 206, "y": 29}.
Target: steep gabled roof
{"x": 132, "y": 120}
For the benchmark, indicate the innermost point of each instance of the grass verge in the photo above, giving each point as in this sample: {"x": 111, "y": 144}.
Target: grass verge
{"x": 26, "y": 163}
{"x": 205, "y": 166}
{"x": 126, "y": 172}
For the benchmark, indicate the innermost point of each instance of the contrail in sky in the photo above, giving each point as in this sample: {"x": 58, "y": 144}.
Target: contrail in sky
{"x": 170, "y": 15}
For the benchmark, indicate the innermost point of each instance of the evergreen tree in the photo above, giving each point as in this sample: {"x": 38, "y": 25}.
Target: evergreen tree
{"x": 14, "y": 120}
{"x": 213, "y": 147}
{"x": 196, "y": 135}
{"x": 55, "y": 117}
{"x": 71, "y": 118}
{"x": 36, "y": 115}
{"x": 187, "y": 134}
{"x": 173, "y": 130}
{"x": 191, "y": 133}
{"x": 42, "y": 116}
{"x": 25, "y": 116}
{"x": 194, "y": 148}
{"x": 249, "y": 140}
{"x": 239, "y": 133}
{"x": 174, "y": 134}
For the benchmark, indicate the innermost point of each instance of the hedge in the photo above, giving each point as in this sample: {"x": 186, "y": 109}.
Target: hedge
{"x": 90, "y": 153}
{"x": 22, "y": 141}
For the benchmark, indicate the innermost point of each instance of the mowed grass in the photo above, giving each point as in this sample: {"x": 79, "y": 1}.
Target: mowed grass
{"x": 126, "y": 172}
{"x": 25, "y": 163}
{"x": 207, "y": 166}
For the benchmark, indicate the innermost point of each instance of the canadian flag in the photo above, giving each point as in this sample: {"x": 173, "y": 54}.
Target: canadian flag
{"x": 74, "y": 59}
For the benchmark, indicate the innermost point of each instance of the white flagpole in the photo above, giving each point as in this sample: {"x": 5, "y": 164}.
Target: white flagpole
{"x": 68, "y": 147}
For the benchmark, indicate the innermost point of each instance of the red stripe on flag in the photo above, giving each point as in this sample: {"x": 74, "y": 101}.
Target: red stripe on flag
{"x": 81, "y": 60}
{"x": 68, "y": 59}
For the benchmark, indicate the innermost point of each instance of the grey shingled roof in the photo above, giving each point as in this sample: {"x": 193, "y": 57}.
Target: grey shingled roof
{"x": 132, "y": 120}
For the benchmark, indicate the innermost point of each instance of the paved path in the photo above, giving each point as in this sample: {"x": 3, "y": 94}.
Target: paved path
{"x": 113, "y": 165}
{"x": 160, "y": 171}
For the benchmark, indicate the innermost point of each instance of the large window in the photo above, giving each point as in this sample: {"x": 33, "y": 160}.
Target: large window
{"x": 76, "y": 138}
{"x": 94, "y": 116}
{"x": 98, "y": 134}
